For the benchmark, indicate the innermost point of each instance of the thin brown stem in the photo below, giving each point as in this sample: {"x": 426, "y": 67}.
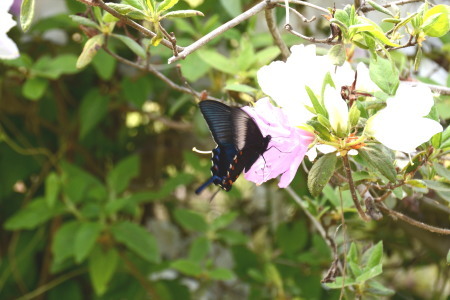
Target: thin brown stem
{"x": 398, "y": 215}
{"x": 158, "y": 74}
{"x": 366, "y": 8}
{"x": 351, "y": 185}
{"x": 302, "y": 17}
{"x": 328, "y": 41}
{"x": 48, "y": 286}
{"x": 271, "y": 24}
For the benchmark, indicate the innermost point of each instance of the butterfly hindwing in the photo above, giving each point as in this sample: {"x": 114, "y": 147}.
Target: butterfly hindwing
{"x": 239, "y": 142}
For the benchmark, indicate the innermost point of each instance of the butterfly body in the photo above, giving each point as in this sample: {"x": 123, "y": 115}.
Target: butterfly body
{"x": 239, "y": 142}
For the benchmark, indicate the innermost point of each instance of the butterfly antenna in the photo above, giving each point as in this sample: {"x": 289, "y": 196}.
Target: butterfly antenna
{"x": 214, "y": 195}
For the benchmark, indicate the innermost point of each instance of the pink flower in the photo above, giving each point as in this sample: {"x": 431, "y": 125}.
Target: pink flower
{"x": 287, "y": 147}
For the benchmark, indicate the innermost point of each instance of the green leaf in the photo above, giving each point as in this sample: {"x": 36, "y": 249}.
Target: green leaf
{"x": 187, "y": 267}
{"x": 34, "y": 88}
{"x": 54, "y": 67}
{"x": 26, "y": 14}
{"x": 223, "y": 220}
{"x": 93, "y": 109}
{"x": 285, "y": 233}
{"x": 221, "y": 274}
{"x": 416, "y": 183}
{"x": 190, "y": 220}
{"x": 131, "y": 44}
{"x": 104, "y": 65}
{"x": 150, "y": 6}
{"x": 199, "y": 249}
{"x": 52, "y": 187}
{"x": 218, "y": 61}
{"x": 380, "y": 8}
{"x": 128, "y": 10}
{"x": 85, "y": 239}
{"x": 371, "y": 273}
{"x": 84, "y": 21}
{"x": 135, "y": 3}
{"x": 242, "y": 88}
{"x": 321, "y": 172}
{"x": 34, "y": 214}
{"x": 342, "y": 16}
{"x": 384, "y": 74}
{"x": 183, "y": 14}
{"x": 137, "y": 239}
{"x": 102, "y": 265}
{"x": 353, "y": 115}
{"x": 438, "y": 186}
{"x": 232, "y": 237}
{"x": 418, "y": 59}
{"x": 339, "y": 283}
{"x": 436, "y": 21}
{"x": 377, "y": 159}
{"x": 91, "y": 48}
{"x": 166, "y": 4}
{"x": 337, "y": 55}
{"x": 315, "y": 102}
{"x": 375, "y": 288}
{"x": 119, "y": 177}
{"x": 442, "y": 171}
{"x": 373, "y": 256}
{"x": 63, "y": 246}
{"x": 232, "y": 7}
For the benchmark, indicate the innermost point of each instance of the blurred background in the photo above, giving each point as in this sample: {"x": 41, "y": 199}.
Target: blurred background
{"x": 97, "y": 173}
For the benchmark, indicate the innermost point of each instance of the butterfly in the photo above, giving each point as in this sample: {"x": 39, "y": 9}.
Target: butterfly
{"x": 239, "y": 142}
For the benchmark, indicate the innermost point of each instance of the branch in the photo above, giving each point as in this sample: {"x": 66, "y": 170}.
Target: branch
{"x": 131, "y": 23}
{"x": 158, "y": 74}
{"x": 219, "y": 30}
{"x": 365, "y": 8}
{"x": 271, "y": 24}
{"x": 396, "y": 214}
{"x": 352, "y": 189}
{"x": 443, "y": 90}
{"x": 328, "y": 41}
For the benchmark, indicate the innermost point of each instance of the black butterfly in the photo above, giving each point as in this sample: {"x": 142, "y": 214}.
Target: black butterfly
{"x": 239, "y": 142}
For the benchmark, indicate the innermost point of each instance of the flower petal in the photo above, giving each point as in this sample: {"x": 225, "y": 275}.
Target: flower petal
{"x": 8, "y": 49}
{"x": 337, "y": 110}
{"x": 287, "y": 147}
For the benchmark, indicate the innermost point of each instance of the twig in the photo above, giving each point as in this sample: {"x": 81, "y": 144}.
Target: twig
{"x": 158, "y": 74}
{"x": 133, "y": 24}
{"x": 42, "y": 289}
{"x": 302, "y": 17}
{"x": 234, "y": 22}
{"x": 366, "y": 8}
{"x": 271, "y": 24}
{"x": 352, "y": 189}
{"x": 219, "y": 30}
{"x": 435, "y": 88}
{"x": 328, "y": 41}
{"x": 398, "y": 215}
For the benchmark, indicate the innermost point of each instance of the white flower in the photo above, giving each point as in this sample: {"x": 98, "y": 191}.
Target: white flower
{"x": 8, "y": 49}
{"x": 401, "y": 125}
{"x": 337, "y": 110}
{"x": 285, "y": 82}
{"x": 345, "y": 75}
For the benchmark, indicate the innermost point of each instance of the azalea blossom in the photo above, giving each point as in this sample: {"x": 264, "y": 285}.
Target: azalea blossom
{"x": 337, "y": 110}
{"x": 286, "y": 149}
{"x": 345, "y": 75}
{"x": 402, "y": 125}
{"x": 285, "y": 82}
{"x": 8, "y": 49}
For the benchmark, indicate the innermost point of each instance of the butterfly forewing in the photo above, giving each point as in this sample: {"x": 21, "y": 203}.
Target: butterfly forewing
{"x": 218, "y": 117}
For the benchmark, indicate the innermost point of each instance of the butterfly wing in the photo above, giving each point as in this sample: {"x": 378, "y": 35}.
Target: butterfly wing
{"x": 248, "y": 138}
{"x": 218, "y": 117}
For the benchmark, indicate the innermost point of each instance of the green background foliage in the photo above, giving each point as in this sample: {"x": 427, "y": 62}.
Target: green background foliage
{"x": 97, "y": 177}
